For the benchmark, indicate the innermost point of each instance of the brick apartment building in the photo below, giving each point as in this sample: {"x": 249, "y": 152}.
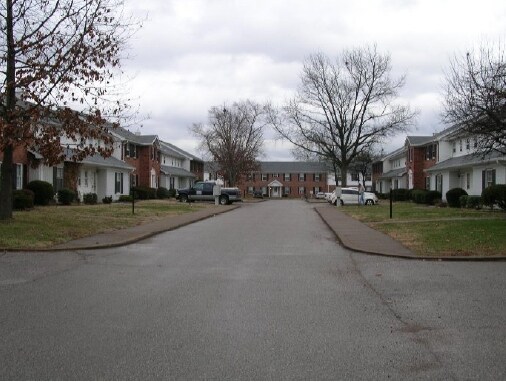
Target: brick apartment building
{"x": 281, "y": 179}
{"x": 143, "y": 153}
{"x": 421, "y": 155}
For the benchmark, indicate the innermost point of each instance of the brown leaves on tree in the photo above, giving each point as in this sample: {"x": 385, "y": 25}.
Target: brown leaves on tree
{"x": 58, "y": 55}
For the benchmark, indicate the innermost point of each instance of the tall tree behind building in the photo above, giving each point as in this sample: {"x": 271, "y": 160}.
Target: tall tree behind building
{"x": 343, "y": 107}
{"x": 233, "y": 137}
{"x": 475, "y": 96}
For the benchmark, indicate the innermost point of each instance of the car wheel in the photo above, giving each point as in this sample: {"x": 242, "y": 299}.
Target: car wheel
{"x": 223, "y": 200}
{"x": 369, "y": 202}
{"x": 184, "y": 198}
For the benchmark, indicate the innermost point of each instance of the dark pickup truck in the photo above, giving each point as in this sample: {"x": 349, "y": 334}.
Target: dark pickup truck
{"x": 204, "y": 191}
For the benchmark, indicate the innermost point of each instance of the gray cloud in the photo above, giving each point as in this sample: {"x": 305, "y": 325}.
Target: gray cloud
{"x": 193, "y": 54}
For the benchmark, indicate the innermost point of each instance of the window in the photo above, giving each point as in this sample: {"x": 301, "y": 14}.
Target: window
{"x": 275, "y": 175}
{"x": 265, "y": 177}
{"x": 288, "y": 178}
{"x": 302, "y": 177}
{"x": 316, "y": 177}
{"x": 133, "y": 180}
{"x": 468, "y": 144}
{"x": 118, "y": 183}
{"x": 251, "y": 189}
{"x": 264, "y": 190}
{"x": 488, "y": 178}
{"x": 19, "y": 176}
{"x": 57, "y": 178}
{"x": 354, "y": 176}
{"x": 85, "y": 178}
{"x": 475, "y": 143}
{"x": 460, "y": 145}
{"x": 130, "y": 150}
{"x": 454, "y": 147}
{"x": 439, "y": 183}
{"x": 316, "y": 190}
{"x": 249, "y": 176}
{"x": 427, "y": 182}
{"x": 172, "y": 182}
{"x": 302, "y": 190}
{"x": 288, "y": 191}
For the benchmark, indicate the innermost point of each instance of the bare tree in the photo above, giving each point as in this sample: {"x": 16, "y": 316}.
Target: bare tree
{"x": 475, "y": 97}
{"x": 343, "y": 107}
{"x": 362, "y": 164}
{"x": 233, "y": 137}
{"x": 54, "y": 55}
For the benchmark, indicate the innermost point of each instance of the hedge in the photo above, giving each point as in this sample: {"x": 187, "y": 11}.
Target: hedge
{"x": 43, "y": 192}
{"x": 418, "y": 196}
{"x": 400, "y": 194}
{"x": 23, "y": 199}
{"x": 66, "y": 196}
{"x": 125, "y": 199}
{"x": 90, "y": 198}
{"x": 495, "y": 194}
{"x": 453, "y": 196}
{"x": 433, "y": 196}
{"x": 144, "y": 193}
{"x": 162, "y": 193}
{"x": 474, "y": 202}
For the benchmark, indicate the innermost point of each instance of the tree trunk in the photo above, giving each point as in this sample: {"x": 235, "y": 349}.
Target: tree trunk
{"x": 6, "y": 201}
{"x": 344, "y": 175}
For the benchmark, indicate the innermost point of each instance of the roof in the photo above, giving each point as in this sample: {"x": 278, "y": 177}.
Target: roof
{"x": 280, "y": 167}
{"x": 419, "y": 140}
{"x": 394, "y": 173}
{"x": 399, "y": 152}
{"x": 176, "y": 171}
{"x": 166, "y": 149}
{"x": 143, "y": 140}
{"x": 100, "y": 161}
{"x": 467, "y": 160}
{"x": 182, "y": 152}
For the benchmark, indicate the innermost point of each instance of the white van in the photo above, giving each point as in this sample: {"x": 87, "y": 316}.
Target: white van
{"x": 350, "y": 195}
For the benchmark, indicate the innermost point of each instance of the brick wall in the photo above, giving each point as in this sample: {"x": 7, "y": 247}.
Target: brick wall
{"x": 293, "y": 183}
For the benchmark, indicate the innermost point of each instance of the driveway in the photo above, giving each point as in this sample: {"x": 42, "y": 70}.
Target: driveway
{"x": 261, "y": 292}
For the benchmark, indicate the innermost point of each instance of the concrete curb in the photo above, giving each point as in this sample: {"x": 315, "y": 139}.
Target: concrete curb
{"x": 131, "y": 235}
{"x": 385, "y": 245}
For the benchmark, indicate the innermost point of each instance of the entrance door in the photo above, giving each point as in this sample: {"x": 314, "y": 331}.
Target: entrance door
{"x": 275, "y": 192}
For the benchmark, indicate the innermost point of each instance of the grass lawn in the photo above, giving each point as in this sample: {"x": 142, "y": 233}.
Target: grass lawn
{"x": 433, "y": 231}
{"x": 46, "y": 226}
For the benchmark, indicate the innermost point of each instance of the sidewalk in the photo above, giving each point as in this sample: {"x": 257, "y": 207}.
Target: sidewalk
{"x": 134, "y": 234}
{"x": 351, "y": 233}
{"x": 357, "y": 236}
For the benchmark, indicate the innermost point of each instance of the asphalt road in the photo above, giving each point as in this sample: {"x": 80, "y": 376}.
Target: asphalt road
{"x": 262, "y": 292}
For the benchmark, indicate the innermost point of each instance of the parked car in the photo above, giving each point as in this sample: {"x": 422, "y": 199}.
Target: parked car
{"x": 320, "y": 195}
{"x": 258, "y": 194}
{"x": 204, "y": 191}
{"x": 350, "y": 195}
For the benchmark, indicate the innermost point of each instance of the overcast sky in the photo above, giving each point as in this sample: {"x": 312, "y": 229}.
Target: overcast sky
{"x": 194, "y": 54}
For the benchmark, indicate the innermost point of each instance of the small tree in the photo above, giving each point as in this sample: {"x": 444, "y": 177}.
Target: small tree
{"x": 475, "y": 97}
{"x": 343, "y": 107}
{"x": 55, "y": 54}
{"x": 233, "y": 137}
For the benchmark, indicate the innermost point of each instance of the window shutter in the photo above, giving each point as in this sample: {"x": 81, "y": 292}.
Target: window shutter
{"x": 54, "y": 179}
{"x": 483, "y": 179}
{"x": 14, "y": 176}
{"x": 493, "y": 177}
